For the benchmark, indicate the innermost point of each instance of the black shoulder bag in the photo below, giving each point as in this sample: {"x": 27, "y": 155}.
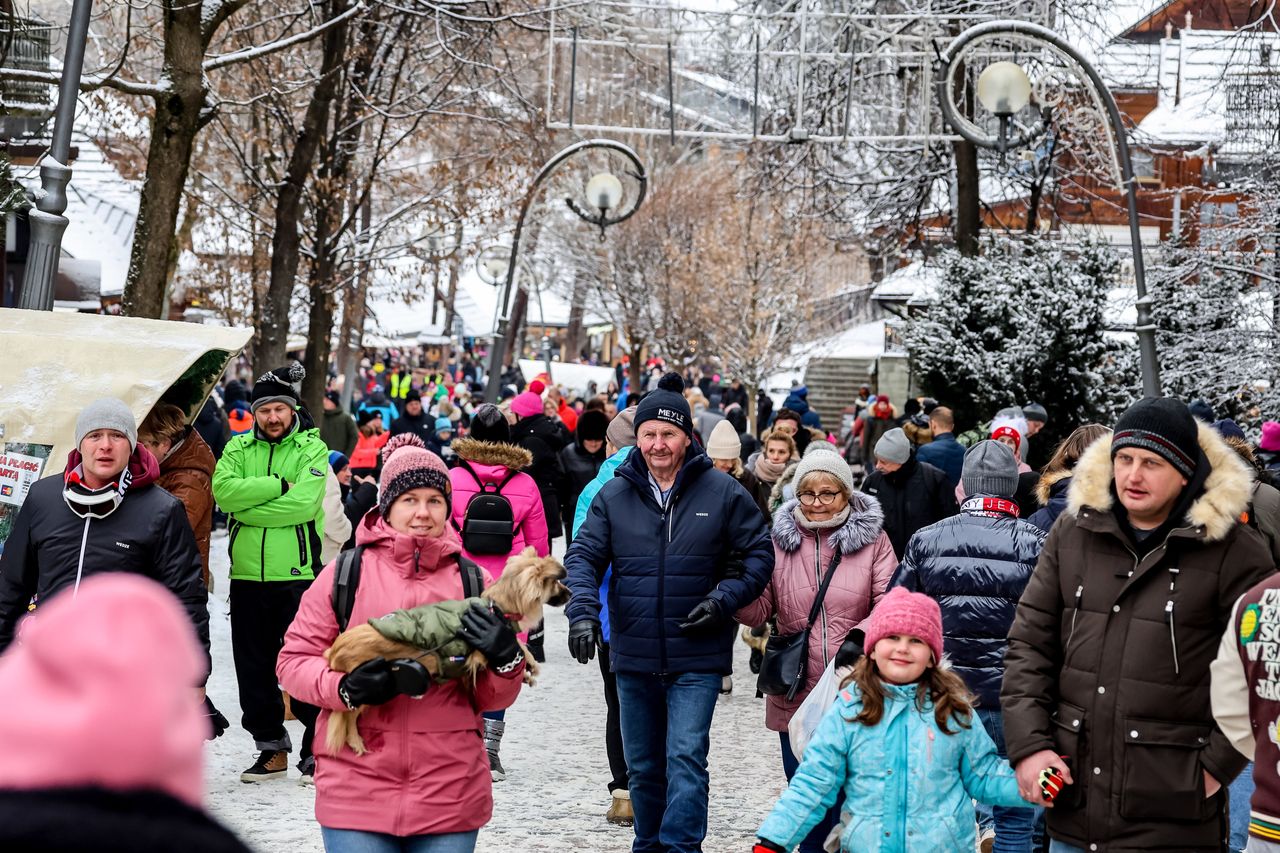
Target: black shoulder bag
{"x": 782, "y": 672}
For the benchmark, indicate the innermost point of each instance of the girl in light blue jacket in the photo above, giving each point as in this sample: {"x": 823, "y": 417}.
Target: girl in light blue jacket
{"x": 903, "y": 744}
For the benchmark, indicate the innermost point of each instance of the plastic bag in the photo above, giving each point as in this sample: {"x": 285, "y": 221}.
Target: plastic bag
{"x": 809, "y": 714}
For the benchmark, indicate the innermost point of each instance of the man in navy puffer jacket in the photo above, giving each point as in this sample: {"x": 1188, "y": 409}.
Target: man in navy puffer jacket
{"x": 688, "y": 548}
{"x": 976, "y": 565}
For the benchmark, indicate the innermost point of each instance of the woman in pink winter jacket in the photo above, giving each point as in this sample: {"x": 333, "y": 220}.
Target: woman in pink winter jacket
{"x": 827, "y": 517}
{"x": 424, "y": 783}
{"x": 488, "y": 457}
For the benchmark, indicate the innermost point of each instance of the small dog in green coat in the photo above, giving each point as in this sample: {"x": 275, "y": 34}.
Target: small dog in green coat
{"x": 428, "y": 634}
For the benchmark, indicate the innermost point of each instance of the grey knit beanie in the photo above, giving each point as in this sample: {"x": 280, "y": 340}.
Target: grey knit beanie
{"x": 991, "y": 469}
{"x": 825, "y": 463}
{"x": 622, "y": 432}
{"x": 894, "y": 446}
{"x": 107, "y": 413}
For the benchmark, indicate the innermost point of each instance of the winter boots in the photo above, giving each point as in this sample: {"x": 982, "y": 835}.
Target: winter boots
{"x": 271, "y": 764}
{"x": 620, "y": 811}
{"x": 726, "y": 685}
{"x": 493, "y": 730}
{"x": 307, "y": 767}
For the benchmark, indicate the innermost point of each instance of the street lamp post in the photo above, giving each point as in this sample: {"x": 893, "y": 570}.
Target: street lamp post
{"x": 1004, "y": 89}
{"x": 47, "y": 221}
{"x": 604, "y": 192}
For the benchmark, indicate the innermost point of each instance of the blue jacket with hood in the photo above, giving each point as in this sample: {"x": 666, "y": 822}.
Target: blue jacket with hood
{"x": 606, "y": 473}
{"x": 665, "y": 560}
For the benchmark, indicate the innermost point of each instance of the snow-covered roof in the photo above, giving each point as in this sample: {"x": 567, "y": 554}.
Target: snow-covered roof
{"x": 102, "y": 208}
{"x": 913, "y": 284}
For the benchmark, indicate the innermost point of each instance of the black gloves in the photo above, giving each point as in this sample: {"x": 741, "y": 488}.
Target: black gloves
{"x": 371, "y": 683}
{"x": 584, "y": 636}
{"x": 704, "y": 619}
{"x": 851, "y": 649}
{"x": 217, "y": 722}
{"x": 490, "y": 634}
{"x": 732, "y": 568}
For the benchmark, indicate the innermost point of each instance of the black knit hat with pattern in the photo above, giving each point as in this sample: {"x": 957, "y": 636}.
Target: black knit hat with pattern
{"x": 277, "y": 386}
{"x": 1164, "y": 426}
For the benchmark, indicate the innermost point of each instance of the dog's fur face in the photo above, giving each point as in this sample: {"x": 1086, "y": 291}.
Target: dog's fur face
{"x": 528, "y": 583}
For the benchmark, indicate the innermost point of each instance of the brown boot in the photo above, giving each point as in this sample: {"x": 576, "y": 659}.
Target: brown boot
{"x": 620, "y": 809}
{"x": 271, "y": 764}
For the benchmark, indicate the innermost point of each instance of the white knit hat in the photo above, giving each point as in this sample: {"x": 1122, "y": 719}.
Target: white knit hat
{"x": 825, "y": 463}
{"x": 724, "y": 443}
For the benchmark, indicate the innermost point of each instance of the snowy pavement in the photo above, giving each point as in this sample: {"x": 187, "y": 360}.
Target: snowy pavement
{"x": 555, "y": 795}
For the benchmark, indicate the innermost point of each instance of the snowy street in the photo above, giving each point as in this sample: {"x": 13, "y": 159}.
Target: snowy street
{"x": 555, "y": 796}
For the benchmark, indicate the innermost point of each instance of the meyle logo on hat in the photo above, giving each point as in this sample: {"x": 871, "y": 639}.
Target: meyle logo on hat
{"x": 671, "y": 415}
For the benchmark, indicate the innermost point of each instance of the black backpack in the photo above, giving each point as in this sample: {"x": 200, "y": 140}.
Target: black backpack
{"x": 346, "y": 578}
{"x": 489, "y": 523}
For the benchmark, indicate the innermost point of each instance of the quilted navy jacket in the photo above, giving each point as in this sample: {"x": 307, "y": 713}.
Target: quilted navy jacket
{"x": 975, "y": 565}
{"x": 665, "y": 561}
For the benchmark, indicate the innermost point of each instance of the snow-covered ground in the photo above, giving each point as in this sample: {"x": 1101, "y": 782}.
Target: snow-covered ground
{"x": 555, "y": 795}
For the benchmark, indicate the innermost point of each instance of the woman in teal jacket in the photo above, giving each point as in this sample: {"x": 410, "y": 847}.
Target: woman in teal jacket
{"x": 910, "y": 772}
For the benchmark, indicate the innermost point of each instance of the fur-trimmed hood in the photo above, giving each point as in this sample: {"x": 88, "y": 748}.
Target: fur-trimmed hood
{"x": 493, "y": 453}
{"x": 1217, "y": 510}
{"x": 866, "y": 520}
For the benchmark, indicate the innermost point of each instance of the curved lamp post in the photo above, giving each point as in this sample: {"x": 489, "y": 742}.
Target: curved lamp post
{"x": 1004, "y": 89}
{"x": 604, "y": 192}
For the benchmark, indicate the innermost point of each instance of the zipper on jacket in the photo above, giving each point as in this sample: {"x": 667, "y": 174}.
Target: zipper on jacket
{"x": 262, "y": 545}
{"x": 822, "y": 610}
{"x": 1074, "y": 613}
{"x": 84, "y": 540}
{"x": 1168, "y": 615}
{"x": 662, "y": 589}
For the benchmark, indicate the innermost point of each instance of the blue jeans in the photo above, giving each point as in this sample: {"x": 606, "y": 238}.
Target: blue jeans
{"x": 666, "y": 732}
{"x": 1014, "y": 827}
{"x": 812, "y": 843}
{"x": 357, "y": 841}
{"x": 1240, "y": 792}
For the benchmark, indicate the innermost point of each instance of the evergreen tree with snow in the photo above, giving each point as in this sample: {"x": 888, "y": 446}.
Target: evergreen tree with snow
{"x": 1024, "y": 322}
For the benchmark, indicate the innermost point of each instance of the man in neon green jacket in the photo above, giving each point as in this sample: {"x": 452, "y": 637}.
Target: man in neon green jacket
{"x": 271, "y": 482}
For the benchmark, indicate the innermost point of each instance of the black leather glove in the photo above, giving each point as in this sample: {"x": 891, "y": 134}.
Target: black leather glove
{"x": 217, "y": 722}
{"x": 851, "y": 649}
{"x": 491, "y": 635}
{"x": 703, "y": 619}
{"x": 733, "y": 568}
{"x": 371, "y": 683}
{"x": 584, "y": 636}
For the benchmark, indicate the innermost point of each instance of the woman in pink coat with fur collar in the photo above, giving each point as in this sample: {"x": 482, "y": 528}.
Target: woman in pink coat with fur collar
{"x": 826, "y": 517}
{"x": 426, "y": 771}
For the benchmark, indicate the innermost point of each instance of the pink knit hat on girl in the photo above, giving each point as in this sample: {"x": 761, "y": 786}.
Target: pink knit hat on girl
{"x": 903, "y": 612}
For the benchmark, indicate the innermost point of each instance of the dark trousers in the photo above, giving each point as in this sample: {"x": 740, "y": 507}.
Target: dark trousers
{"x": 260, "y": 614}
{"x": 612, "y": 725}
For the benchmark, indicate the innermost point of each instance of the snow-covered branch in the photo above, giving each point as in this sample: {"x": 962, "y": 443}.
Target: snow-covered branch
{"x": 259, "y": 51}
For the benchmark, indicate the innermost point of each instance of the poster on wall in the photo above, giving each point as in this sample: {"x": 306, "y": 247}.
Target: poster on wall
{"x": 21, "y": 464}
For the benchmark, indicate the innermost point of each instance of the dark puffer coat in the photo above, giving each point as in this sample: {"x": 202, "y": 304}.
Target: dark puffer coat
{"x": 1110, "y": 667}
{"x": 1053, "y": 499}
{"x": 914, "y": 496}
{"x": 975, "y": 565}
{"x": 665, "y": 561}
{"x": 580, "y": 468}
{"x": 147, "y": 534}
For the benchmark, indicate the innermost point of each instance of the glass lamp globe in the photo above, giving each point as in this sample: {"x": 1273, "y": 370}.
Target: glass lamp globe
{"x": 1004, "y": 88}
{"x": 604, "y": 191}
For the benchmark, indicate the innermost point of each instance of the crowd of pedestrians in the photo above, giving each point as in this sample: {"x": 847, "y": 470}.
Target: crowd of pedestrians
{"x": 953, "y": 625}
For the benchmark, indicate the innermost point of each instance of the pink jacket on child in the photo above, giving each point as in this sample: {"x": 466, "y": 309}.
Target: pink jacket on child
{"x": 492, "y": 462}
{"x": 801, "y": 559}
{"x": 426, "y": 771}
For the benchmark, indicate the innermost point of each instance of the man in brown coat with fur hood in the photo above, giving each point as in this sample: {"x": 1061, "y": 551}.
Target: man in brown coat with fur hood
{"x": 1108, "y": 660}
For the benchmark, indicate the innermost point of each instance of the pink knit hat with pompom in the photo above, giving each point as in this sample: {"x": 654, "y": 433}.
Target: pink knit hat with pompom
{"x": 527, "y": 405}
{"x": 412, "y": 467}
{"x": 903, "y": 612}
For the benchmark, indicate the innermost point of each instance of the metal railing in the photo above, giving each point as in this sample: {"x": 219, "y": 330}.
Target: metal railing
{"x": 24, "y": 44}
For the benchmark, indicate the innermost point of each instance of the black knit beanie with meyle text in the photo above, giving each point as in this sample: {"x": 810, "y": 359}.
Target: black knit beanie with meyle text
{"x": 1164, "y": 426}
{"x": 666, "y": 404}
